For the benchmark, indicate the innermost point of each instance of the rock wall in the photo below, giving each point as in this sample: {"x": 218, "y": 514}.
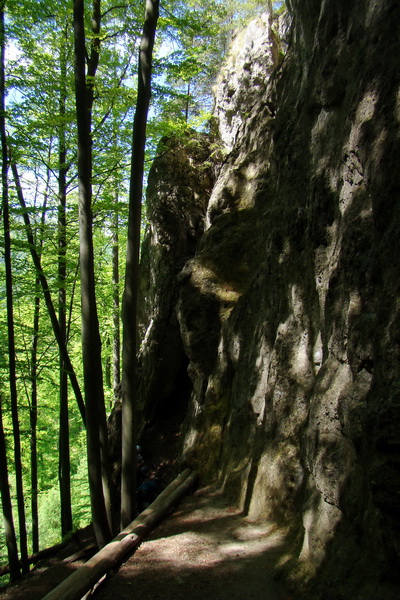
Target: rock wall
{"x": 290, "y": 316}
{"x": 180, "y": 183}
{"x": 289, "y": 306}
{"x": 255, "y": 53}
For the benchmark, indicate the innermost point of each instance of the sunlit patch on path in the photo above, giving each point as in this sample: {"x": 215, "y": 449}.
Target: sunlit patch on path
{"x": 206, "y": 549}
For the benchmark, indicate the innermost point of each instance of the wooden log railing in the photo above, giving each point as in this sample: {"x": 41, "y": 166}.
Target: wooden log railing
{"x": 34, "y": 558}
{"x": 88, "y": 575}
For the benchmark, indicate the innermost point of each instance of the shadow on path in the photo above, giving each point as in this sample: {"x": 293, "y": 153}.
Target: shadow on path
{"x": 205, "y": 549}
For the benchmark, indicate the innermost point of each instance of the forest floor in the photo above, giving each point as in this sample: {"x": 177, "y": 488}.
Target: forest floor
{"x": 204, "y": 549}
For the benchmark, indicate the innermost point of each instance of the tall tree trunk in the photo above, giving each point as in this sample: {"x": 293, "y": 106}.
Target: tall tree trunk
{"x": 129, "y": 377}
{"x": 33, "y": 409}
{"x": 10, "y": 311}
{"x": 11, "y": 541}
{"x": 13, "y": 389}
{"x": 116, "y": 307}
{"x": 91, "y": 343}
{"x": 109, "y": 490}
{"x": 33, "y": 422}
{"x": 64, "y": 466}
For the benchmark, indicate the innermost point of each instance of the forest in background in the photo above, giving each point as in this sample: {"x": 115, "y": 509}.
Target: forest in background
{"x": 42, "y": 421}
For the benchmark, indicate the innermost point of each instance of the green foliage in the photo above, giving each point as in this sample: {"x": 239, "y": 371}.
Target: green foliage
{"x": 80, "y": 496}
{"x": 191, "y": 42}
{"x": 49, "y": 506}
{"x": 49, "y": 515}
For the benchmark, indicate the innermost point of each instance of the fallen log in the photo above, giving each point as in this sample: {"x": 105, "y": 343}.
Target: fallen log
{"x": 34, "y": 558}
{"x": 90, "y": 548}
{"x": 89, "y": 574}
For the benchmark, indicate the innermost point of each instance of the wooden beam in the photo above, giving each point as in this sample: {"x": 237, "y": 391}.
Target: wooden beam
{"x": 89, "y": 574}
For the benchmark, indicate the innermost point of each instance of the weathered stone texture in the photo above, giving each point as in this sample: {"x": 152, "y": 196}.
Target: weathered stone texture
{"x": 285, "y": 278}
{"x": 180, "y": 183}
{"x": 255, "y": 53}
{"x": 289, "y": 311}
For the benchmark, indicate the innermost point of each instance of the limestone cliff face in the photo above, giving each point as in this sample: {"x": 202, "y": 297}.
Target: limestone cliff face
{"x": 180, "y": 183}
{"x": 289, "y": 307}
{"x": 255, "y": 53}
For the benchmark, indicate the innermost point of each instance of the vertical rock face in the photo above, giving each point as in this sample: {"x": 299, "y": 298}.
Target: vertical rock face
{"x": 256, "y": 52}
{"x": 289, "y": 312}
{"x": 285, "y": 278}
{"x": 180, "y": 183}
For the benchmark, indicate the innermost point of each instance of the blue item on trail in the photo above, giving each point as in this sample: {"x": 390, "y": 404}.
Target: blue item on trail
{"x": 147, "y": 492}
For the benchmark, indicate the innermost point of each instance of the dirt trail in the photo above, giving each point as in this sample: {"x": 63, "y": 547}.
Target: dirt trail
{"x": 205, "y": 549}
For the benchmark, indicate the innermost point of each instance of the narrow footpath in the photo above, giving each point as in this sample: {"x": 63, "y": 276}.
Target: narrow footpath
{"x": 205, "y": 549}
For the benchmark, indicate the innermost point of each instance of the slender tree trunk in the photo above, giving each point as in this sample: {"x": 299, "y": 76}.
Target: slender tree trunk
{"x": 13, "y": 388}
{"x": 11, "y": 541}
{"x": 64, "y": 466}
{"x": 33, "y": 409}
{"x": 33, "y": 422}
{"x": 116, "y": 307}
{"x": 10, "y": 536}
{"x": 187, "y": 103}
{"x": 128, "y": 473}
{"x": 10, "y": 315}
{"x": 91, "y": 343}
{"x": 109, "y": 490}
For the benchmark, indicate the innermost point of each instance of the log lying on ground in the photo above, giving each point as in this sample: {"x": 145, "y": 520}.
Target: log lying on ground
{"x": 40, "y": 555}
{"x": 87, "y": 576}
{"x": 82, "y": 550}
{"x": 81, "y": 553}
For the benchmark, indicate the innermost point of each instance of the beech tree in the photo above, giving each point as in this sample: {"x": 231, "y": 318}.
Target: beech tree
{"x": 4, "y": 483}
{"x": 128, "y": 467}
{"x": 10, "y": 314}
{"x": 33, "y": 405}
{"x": 64, "y": 465}
{"x": 99, "y": 481}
